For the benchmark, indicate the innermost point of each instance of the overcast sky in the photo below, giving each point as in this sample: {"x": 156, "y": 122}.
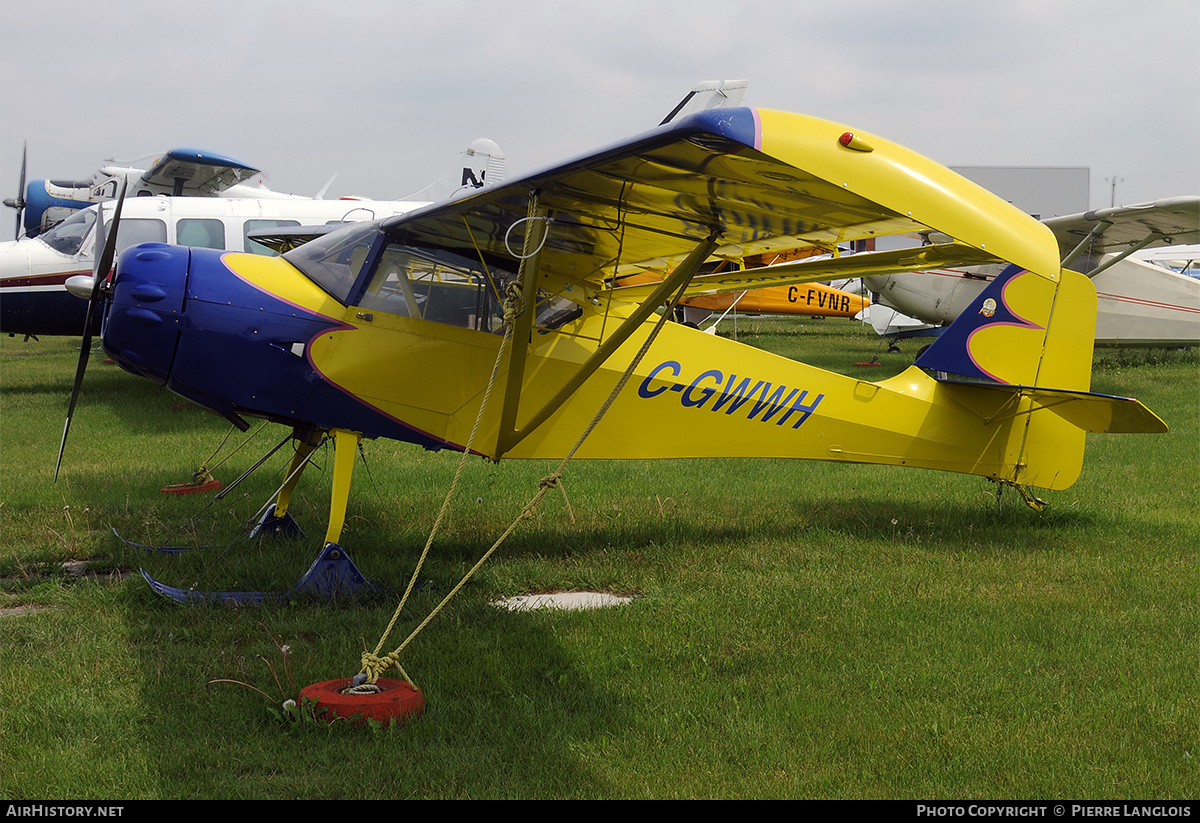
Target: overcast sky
{"x": 387, "y": 93}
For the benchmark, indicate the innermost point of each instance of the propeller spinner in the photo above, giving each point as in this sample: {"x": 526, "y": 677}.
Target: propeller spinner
{"x": 103, "y": 265}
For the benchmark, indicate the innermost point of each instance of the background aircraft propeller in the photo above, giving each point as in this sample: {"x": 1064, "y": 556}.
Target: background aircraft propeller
{"x": 107, "y": 237}
{"x": 18, "y": 202}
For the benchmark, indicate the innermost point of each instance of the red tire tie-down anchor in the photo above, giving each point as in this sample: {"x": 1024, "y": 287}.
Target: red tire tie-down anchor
{"x": 395, "y": 699}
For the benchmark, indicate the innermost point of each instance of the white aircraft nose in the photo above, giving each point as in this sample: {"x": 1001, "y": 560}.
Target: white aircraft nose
{"x": 81, "y": 286}
{"x": 14, "y": 258}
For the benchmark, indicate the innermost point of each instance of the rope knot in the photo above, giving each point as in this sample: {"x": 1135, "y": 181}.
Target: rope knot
{"x": 544, "y": 485}
{"x": 513, "y": 299}
{"x": 373, "y": 665}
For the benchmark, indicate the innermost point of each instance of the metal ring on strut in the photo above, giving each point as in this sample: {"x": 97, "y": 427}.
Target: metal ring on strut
{"x": 508, "y": 247}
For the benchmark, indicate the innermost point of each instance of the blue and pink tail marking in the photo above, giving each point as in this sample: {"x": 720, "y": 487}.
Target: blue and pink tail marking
{"x": 951, "y": 352}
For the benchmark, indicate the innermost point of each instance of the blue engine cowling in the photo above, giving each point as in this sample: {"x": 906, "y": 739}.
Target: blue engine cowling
{"x": 142, "y": 324}
{"x": 183, "y": 318}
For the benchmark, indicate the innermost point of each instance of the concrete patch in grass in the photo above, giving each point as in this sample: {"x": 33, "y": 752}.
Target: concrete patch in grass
{"x": 573, "y": 601}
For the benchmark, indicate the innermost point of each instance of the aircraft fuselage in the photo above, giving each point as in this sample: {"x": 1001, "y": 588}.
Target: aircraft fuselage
{"x": 246, "y": 335}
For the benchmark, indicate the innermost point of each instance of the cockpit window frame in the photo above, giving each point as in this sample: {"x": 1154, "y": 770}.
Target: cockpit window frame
{"x": 132, "y": 231}
{"x": 53, "y": 238}
{"x": 313, "y": 260}
{"x": 413, "y": 297}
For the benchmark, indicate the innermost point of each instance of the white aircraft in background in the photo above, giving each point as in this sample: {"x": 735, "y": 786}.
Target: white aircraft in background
{"x": 34, "y": 270}
{"x": 1140, "y": 303}
{"x": 198, "y": 173}
{"x": 180, "y": 172}
{"x": 1181, "y": 259}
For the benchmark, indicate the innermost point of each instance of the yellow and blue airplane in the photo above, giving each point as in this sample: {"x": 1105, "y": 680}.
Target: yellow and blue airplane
{"x": 395, "y": 328}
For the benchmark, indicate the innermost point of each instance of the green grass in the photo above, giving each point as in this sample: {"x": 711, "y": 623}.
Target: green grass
{"x": 801, "y": 629}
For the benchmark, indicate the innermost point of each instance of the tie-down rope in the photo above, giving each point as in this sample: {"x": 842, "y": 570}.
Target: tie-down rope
{"x": 372, "y": 664}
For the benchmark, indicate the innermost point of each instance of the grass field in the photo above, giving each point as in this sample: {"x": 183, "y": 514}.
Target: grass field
{"x": 800, "y": 629}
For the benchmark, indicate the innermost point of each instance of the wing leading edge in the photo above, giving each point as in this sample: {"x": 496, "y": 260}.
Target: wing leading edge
{"x": 1171, "y": 221}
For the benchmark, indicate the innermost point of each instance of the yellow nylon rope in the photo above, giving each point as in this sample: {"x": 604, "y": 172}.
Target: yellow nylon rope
{"x": 372, "y": 664}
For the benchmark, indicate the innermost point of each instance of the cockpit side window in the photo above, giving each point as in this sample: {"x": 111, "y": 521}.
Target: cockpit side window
{"x": 105, "y": 191}
{"x": 444, "y": 288}
{"x": 437, "y": 285}
{"x": 67, "y": 237}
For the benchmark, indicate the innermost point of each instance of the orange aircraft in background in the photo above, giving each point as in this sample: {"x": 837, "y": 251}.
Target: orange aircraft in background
{"x": 811, "y": 299}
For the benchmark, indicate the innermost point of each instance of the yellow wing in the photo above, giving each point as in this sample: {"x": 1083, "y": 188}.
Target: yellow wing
{"x": 762, "y": 181}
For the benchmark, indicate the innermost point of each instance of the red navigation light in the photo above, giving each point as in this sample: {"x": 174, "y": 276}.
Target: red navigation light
{"x": 850, "y": 141}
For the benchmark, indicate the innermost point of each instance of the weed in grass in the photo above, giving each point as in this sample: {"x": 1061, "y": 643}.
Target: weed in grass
{"x": 291, "y": 714}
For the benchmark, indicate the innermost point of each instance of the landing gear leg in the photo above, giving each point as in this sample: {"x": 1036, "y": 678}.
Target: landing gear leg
{"x": 276, "y": 519}
{"x": 345, "y": 444}
{"x": 333, "y": 574}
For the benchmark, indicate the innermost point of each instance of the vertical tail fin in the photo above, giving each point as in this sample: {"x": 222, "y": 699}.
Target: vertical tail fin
{"x": 483, "y": 164}
{"x": 1024, "y": 329}
{"x": 1023, "y": 351}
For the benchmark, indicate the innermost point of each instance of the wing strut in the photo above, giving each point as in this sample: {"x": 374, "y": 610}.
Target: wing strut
{"x": 1095, "y": 234}
{"x": 1091, "y": 237}
{"x": 522, "y": 332}
{"x": 1150, "y": 239}
{"x": 510, "y": 435}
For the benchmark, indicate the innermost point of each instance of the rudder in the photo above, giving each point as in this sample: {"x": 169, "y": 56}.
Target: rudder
{"x": 1022, "y": 332}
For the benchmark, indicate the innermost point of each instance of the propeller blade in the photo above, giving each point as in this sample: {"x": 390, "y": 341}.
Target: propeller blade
{"x": 103, "y": 264}
{"x": 18, "y": 202}
{"x": 21, "y": 188}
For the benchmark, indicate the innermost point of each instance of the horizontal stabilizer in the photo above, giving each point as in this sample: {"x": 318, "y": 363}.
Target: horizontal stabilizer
{"x": 1092, "y": 412}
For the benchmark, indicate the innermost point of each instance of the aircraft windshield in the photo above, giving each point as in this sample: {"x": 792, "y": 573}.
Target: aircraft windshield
{"x": 67, "y": 237}
{"x": 333, "y": 262}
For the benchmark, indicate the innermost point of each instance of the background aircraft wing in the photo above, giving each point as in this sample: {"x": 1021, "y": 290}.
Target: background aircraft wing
{"x": 282, "y": 239}
{"x": 762, "y": 181}
{"x": 814, "y": 270}
{"x": 196, "y": 172}
{"x": 1175, "y": 220}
